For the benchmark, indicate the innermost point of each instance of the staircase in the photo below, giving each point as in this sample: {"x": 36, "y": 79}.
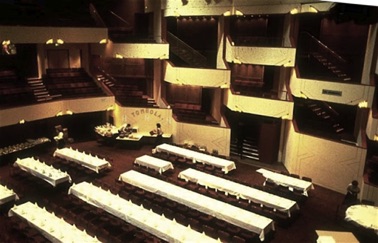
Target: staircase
{"x": 320, "y": 53}
{"x": 249, "y": 148}
{"x": 185, "y": 52}
{"x": 326, "y": 115}
{"x": 336, "y": 70}
{"x": 39, "y": 89}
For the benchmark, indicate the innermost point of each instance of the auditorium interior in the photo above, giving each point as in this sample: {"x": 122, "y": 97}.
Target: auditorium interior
{"x": 252, "y": 94}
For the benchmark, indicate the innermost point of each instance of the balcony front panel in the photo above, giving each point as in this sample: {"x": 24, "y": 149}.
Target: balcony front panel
{"x": 259, "y": 106}
{"x": 372, "y": 127}
{"x": 197, "y": 76}
{"x": 132, "y": 50}
{"x": 342, "y": 93}
{"x": 237, "y": 7}
{"x": 50, "y": 109}
{"x": 38, "y": 35}
{"x": 330, "y": 164}
{"x": 271, "y": 56}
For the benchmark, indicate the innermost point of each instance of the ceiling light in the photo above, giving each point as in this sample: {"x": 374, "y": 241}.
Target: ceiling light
{"x": 59, "y": 42}
{"x": 294, "y": 11}
{"x": 50, "y": 41}
{"x": 312, "y": 9}
{"x": 103, "y": 41}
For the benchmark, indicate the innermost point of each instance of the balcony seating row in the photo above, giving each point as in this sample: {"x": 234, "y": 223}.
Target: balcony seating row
{"x": 187, "y": 112}
{"x": 127, "y": 93}
{"x": 257, "y": 41}
{"x": 258, "y": 83}
{"x": 14, "y": 91}
{"x": 71, "y": 82}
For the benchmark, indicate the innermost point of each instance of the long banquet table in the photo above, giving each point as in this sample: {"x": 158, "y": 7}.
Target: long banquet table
{"x": 224, "y": 164}
{"x": 154, "y": 163}
{"x": 52, "y": 227}
{"x": 7, "y": 195}
{"x": 89, "y": 161}
{"x": 287, "y": 181}
{"x": 363, "y": 215}
{"x": 41, "y": 170}
{"x": 239, "y": 190}
{"x": 145, "y": 219}
{"x": 227, "y": 212}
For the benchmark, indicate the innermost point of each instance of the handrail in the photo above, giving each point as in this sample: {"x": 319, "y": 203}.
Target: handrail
{"x": 96, "y": 16}
{"x": 324, "y": 47}
{"x": 174, "y": 41}
{"x": 323, "y": 53}
{"x": 120, "y": 18}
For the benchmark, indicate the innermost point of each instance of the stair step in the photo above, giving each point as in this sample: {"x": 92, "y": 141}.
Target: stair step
{"x": 251, "y": 157}
{"x": 339, "y": 129}
{"x": 41, "y": 93}
{"x": 35, "y": 81}
{"x": 44, "y": 98}
{"x": 36, "y": 84}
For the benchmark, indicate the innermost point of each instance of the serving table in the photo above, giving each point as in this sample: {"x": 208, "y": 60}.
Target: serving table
{"x": 224, "y": 211}
{"x": 52, "y": 227}
{"x": 158, "y": 225}
{"x": 225, "y": 164}
{"x": 44, "y": 171}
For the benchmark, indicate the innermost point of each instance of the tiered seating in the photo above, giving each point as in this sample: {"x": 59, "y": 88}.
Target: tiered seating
{"x": 13, "y": 90}
{"x": 127, "y": 92}
{"x": 258, "y": 41}
{"x": 71, "y": 82}
{"x": 186, "y": 112}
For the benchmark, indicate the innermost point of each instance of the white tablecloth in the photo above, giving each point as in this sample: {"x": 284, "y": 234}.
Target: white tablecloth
{"x": 224, "y": 164}
{"x": 287, "y": 181}
{"x": 89, "y": 161}
{"x": 104, "y": 129}
{"x": 363, "y": 215}
{"x": 52, "y": 227}
{"x": 40, "y": 169}
{"x": 7, "y": 195}
{"x": 239, "y": 190}
{"x": 154, "y": 163}
{"x": 147, "y": 220}
{"x": 234, "y": 215}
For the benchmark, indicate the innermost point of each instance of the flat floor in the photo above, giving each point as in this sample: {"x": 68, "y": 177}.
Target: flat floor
{"x": 320, "y": 211}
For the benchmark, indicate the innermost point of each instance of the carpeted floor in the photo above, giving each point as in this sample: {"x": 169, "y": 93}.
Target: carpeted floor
{"x": 318, "y": 212}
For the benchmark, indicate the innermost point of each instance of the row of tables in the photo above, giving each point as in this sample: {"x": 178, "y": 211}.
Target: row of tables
{"x": 240, "y": 191}
{"x": 7, "y": 195}
{"x": 42, "y": 170}
{"x": 92, "y": 162}
{"x": 51, "y": 226}
{"x": 158, "y": 225}
{"x": 224, "y": 211}
{"x": 286, "y": 181}
{"x": 224, "y": 164}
